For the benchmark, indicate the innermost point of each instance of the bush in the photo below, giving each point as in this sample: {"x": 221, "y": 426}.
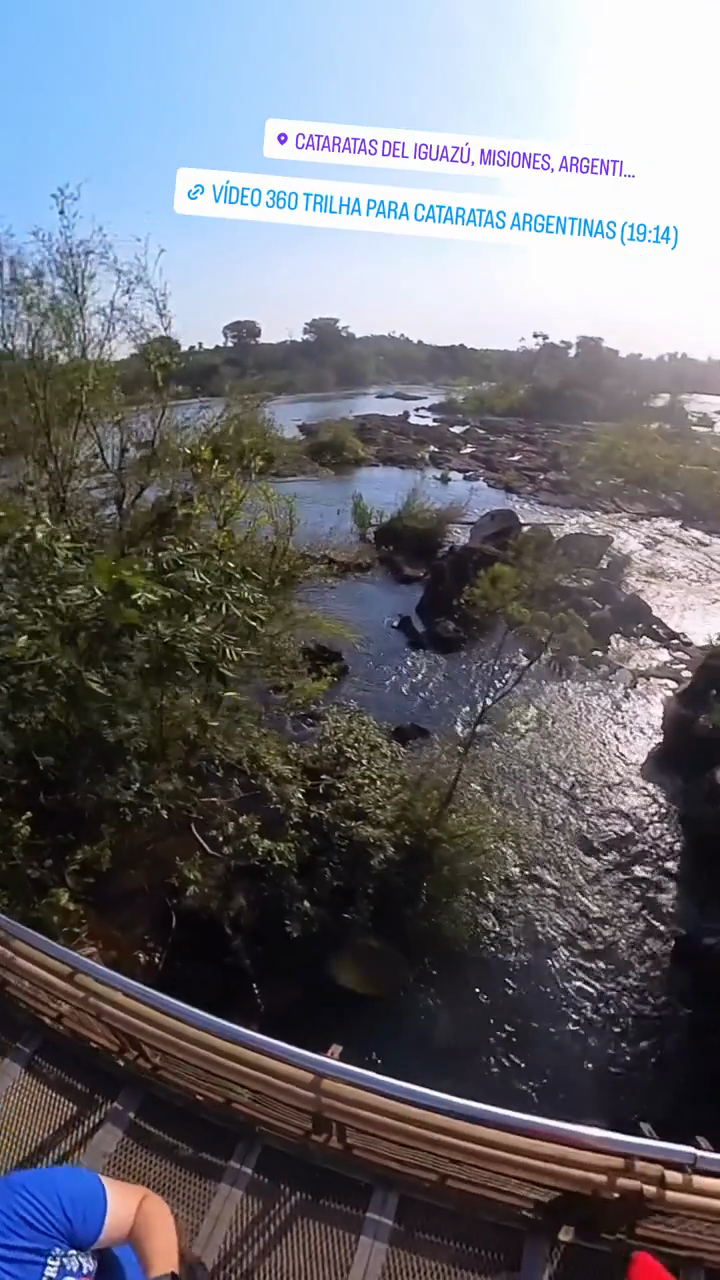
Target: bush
{"x": 662, "y": 460}
{"x": 364, "y": 517}
{"x": 419, "y": 527}
{"x": 334, "y": 445}
{"x": 500, "y": 401}
{"x": 351, "y": 836}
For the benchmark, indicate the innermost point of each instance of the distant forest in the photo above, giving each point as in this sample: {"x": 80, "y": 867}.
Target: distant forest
{"x": 330, "y": 357}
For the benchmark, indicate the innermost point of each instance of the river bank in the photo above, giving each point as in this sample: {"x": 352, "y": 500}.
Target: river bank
{"x": 544, "y": 462}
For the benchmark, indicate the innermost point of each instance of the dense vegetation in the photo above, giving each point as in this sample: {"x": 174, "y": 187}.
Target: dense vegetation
{"x": 151, "y": 644}
{"x": 660, "y": 460}
{"x": 581, "y": 379}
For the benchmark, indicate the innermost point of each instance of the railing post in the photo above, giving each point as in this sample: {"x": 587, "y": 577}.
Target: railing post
{"x": 535, "y": 1255}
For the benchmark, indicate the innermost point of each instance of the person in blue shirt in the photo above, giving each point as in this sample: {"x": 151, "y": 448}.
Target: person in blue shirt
{"x": 68, "y": 1223}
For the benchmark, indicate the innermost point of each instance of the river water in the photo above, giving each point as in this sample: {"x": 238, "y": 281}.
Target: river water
{"x": 568, "y": 1006}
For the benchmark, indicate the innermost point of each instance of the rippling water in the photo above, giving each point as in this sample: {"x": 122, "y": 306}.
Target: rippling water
{"x": 568, "y": 1007}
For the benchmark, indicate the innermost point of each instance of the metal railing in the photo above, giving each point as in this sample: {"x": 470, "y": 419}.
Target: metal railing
{"x": 691, "y": 1158}
{"x": 430, "y": 1141}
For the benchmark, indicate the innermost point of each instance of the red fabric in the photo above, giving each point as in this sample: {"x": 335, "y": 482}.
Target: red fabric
{"x": 643, "y": 1267}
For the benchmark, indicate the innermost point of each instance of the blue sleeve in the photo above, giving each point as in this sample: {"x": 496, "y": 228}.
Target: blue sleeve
{"x": 67, "y": 1205}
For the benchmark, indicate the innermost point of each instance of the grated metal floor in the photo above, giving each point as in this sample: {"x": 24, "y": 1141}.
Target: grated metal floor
{"x": 251, "y": 1208}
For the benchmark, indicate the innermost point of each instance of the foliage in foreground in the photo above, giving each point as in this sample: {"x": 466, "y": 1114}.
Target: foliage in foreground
{"x": 147, "y": 620}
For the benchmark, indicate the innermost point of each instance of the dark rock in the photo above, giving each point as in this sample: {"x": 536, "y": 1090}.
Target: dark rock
{"x": 607, "y": 594}
{"x": 404, "y": 734}
{"x": 583, "y": 550}
{"x": 324, "y": 662}
{"x": 401, "y": 571}
{"x": 632, "y": 611}
{"x": 416, "y": 638}
{"x": 397, "y": 395}
{"x": 446, "y": 636}
{"x": 584, "y": 606}
{"x": 601, "y": 626}
{"x": 700, "y": 955}
{"x": 614, "y": 570}
{"x": 449, "y": 576}
{"x": 496, "y": 528}
{"x": 416, "y": 539}
{"x": 700, "y": 814}
{"x": 691, "y": 739}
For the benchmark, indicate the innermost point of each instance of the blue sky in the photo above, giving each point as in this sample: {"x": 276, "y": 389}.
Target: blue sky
{"x": 118, "y": 94}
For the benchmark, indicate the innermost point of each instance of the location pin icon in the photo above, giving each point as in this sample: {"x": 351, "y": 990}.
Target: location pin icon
{"x": 282, "y": 139}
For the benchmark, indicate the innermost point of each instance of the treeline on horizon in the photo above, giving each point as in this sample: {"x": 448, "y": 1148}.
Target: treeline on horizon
{"x": 330, "y": 357}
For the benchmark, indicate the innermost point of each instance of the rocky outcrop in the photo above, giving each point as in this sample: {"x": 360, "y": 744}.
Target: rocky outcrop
{"x": 699, "y": 815}
{"x": 495, "y": 528}
{"x": 408, "y": 540}
{"x": 445, "y": 636}
{"x": 449, "y": 576}
{"x": 587, "y": 582}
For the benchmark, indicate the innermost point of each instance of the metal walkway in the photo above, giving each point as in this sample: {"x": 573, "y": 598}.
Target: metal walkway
{"x": 257, "y": 1206}
{"x": 252, "y": 1207}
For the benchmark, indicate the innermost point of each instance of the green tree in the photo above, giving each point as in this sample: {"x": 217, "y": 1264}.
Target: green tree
{"x": 240, "y": 333}
{"x": 326, "y": 333}
{"x": 518, "y": 597}
{"x": 69, "y": 303}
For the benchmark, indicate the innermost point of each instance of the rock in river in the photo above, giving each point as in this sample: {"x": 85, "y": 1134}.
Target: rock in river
{"x": 415, "y": 637}
{"x": 496, "y": 527}
{"x": 691, "y": 725}
{"x": 583, "y": 550}
{"x": 404, "y": 734}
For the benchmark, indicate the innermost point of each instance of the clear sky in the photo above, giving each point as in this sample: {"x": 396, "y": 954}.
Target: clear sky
{"x": 117, "y": 94}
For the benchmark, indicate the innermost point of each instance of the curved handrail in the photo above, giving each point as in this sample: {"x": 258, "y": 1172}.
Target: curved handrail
{"x": 600, "y": 1140}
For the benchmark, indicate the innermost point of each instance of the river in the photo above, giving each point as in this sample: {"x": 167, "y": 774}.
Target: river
{"x": 568, "y": 1007}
